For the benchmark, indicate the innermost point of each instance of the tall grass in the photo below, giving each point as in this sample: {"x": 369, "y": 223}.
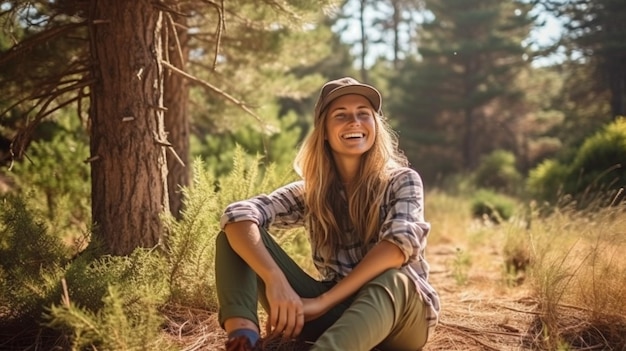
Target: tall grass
{"x": 449, "y": 216}
{"x": 571, "y": 261}
{"x": 578, "y": 272}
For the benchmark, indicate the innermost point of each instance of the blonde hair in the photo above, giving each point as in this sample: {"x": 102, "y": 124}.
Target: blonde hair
{"x": 322, "y": 185}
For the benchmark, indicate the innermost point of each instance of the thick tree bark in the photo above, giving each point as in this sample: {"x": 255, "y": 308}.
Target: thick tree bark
{"x": 128, "y": 162}
{"x": 176, "y": 117}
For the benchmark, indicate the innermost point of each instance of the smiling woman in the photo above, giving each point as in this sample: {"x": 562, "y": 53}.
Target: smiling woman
{"x": 363, "y": 209}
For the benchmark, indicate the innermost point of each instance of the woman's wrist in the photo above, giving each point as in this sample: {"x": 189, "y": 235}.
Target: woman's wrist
{"x": 326, "y": 300}
{"x": 272, "y": 275}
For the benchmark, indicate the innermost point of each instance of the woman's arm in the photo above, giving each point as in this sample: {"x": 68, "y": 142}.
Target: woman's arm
{"x": 383, "y": 256}
{"x": 286, "y": 312}
{"x": 282, "y": 208}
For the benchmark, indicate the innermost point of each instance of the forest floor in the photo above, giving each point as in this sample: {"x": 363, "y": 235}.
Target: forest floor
{"x": 481, "y": 313}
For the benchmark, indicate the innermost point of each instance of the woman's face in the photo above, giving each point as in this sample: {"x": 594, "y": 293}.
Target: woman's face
{"x": 350, "y": 126}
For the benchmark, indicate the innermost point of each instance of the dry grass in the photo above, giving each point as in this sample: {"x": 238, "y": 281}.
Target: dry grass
{"x": 579, "y": 275}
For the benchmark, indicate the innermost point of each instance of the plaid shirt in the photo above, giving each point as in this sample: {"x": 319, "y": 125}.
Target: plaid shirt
{"x": 402, "y": 214}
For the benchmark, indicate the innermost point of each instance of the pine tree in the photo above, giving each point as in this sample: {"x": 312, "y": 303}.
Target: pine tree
{"x": 594, "y": 36}
{"x": 126, "y": 90}
{"x": 470, "y": 52}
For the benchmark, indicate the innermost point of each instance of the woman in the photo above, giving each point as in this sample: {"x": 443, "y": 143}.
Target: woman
{"x": 363, "y": 210}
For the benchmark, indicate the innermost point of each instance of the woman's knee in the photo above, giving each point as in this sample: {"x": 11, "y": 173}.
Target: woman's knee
{"x": 393, "y": 280}
{"x": 392, "y": 276}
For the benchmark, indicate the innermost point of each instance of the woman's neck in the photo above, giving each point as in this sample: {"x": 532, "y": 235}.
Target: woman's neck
{"x": 348, "y": 170}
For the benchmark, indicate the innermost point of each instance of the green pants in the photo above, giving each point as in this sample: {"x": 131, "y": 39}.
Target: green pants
{"x": 386, "y": 313}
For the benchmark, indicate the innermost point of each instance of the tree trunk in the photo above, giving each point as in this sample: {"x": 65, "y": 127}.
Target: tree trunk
{"x": 468, "y": 138}
{"x": 397, "y": 19}
{"x": 364, "y": 77}
{"x": 617, "y": 87}
{"x": 128, "y": 164}
{"x": 176, "y": 118}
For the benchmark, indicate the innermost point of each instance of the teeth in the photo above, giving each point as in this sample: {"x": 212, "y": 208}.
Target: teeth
{"x": 353, "y": 135}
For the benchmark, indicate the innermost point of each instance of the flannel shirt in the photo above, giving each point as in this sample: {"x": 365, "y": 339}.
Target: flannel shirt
{"x": 402, "y": 214}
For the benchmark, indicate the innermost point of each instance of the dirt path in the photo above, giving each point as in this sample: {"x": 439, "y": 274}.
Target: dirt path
{"x": 482, "y": 314}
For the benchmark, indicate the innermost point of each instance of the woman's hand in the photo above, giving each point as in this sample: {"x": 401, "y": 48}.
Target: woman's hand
{"x": 286, "y": 316}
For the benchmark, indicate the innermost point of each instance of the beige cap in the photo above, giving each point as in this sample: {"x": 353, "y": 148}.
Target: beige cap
{"x": 344, "y": 86}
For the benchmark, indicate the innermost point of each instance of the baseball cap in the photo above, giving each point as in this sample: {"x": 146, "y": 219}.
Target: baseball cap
{"x": 344, "y": 86}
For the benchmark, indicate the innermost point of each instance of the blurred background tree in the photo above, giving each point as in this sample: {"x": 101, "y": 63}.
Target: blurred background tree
{"x": 453, "y": 94}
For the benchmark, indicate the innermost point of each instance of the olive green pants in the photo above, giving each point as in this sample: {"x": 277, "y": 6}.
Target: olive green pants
{"x": 386, "y": 313}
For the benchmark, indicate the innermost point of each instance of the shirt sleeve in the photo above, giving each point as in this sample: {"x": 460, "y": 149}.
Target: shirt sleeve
{"x": 404, "y": 224}
{"x": 283, "y": 208}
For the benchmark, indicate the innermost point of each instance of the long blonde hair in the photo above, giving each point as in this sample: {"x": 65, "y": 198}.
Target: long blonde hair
{"x": 323, "y": 186}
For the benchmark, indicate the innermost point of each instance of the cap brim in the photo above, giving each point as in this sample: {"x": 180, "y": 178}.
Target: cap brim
{"x": 370, "y": 93}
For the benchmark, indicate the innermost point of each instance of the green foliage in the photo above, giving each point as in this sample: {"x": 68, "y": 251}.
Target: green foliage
{"x": 258, "y": 67}
{"x": 112, "y": 327}
{"x": 545, "y": 181}
{"x": 497, "y": 171}
{"x": 460, "y": 266}
{"x": 142, "y": 274}
{"x": 190, "y": 241}
{"x": 598, "y": 166}
{"x": 31, "y": 261}
{"x": 602, "y": 158}
{"x": 246, "y": 180}
{"x": 278, "y": 147}
{"x": 490, "y": 205}
{"x": 57, "y": 178}
{"x": 594, "y": 29}
{"x": 113, "y": 302}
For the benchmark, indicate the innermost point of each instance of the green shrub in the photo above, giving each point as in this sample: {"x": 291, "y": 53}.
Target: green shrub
{"x": 31, "y": 261}
{"x": 491, "y": 205}
{"x": 57, "y": 179}
{"x": 545, "y": 182}
{"x": 601, "y": 160}
{"x": 598, "y": 168}
{"x": 498, "y": 171}
{"x": 142, "y": 274}
{"x": 112, "y": 327}
{"x": 190, "y": 241}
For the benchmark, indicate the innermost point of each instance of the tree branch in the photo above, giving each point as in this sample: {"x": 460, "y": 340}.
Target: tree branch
{"x": 214, "y": 89}
{"x": 221, "y": 26}
{"x": 28, "y": 44}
